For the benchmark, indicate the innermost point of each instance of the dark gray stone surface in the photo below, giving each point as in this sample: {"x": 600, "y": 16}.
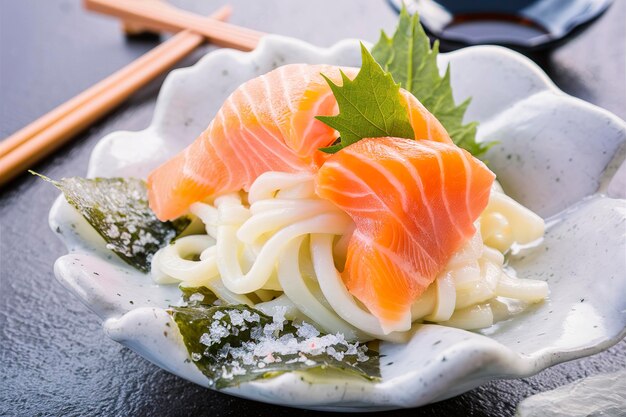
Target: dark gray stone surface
{"x": 55, "y": 358}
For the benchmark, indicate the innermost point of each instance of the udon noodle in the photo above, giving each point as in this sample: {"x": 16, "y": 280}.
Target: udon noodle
{"x": 281, "y": 245}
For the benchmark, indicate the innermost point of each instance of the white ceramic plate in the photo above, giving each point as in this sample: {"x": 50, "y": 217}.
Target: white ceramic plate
{"x": 556, "y": 153}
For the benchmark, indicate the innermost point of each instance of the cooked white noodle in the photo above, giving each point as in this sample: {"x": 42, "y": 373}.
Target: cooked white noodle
{"x": 282, "y": 237}
{"x": 477, "y": 316}
{"x": 445, "y": 295}
{"x": 338, "y": 296}
{"x": 175, "y": 259}
{"x": 292, "y": 281}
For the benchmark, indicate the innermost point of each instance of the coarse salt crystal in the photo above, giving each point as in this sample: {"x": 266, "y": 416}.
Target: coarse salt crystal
{"x": 286, "y": 338}
{"x": 351, "y": 349}
{"x": 334, "y": 353}
{"x": 307, "y": 331}
{"x": 256, "y": 332}
{"x": 113, "y": 231}
{"x": 251, "y": 317}
{"x": 236, "y": 318}
{"x": 224, "y": 350}
{"x": 205, "y": 339}
{"x": 361, "y": 356}
{"x": 198, "y": 297}
{"x": 267, "y": 345}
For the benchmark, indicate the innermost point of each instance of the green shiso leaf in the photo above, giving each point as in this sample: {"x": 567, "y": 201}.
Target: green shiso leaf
{"x": 118, "y": 209}
{"x": 221, "y": 340}
{"x": 370, "y": 106}
{"x": 407, "y": 55}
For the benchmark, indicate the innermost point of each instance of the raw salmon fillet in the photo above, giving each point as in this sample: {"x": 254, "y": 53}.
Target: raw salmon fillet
{"x": 414, "y": 203}
{"x": 267, "y": 124}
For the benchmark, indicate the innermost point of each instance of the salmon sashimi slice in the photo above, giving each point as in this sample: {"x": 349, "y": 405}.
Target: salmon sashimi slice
{"x": 267, "y": 124}
{"x": 414, "y": 203}
{"x": 424, "y": 124}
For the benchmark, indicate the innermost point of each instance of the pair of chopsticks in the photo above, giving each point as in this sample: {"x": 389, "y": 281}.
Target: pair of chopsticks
{"x": 25, "y": 147}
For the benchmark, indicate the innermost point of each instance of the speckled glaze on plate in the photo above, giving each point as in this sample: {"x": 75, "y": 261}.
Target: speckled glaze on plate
{"x": 558, "y": 155}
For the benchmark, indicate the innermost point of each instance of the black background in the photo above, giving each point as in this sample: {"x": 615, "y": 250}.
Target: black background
{"x": 55, "y": 358}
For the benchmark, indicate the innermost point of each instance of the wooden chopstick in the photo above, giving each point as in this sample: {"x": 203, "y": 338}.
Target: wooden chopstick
{"x": 19, "y": 151}
{"x": 164, "y": 17}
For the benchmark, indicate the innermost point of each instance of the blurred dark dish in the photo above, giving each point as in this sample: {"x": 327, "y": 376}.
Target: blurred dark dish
{"x": 525, "y": 25}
